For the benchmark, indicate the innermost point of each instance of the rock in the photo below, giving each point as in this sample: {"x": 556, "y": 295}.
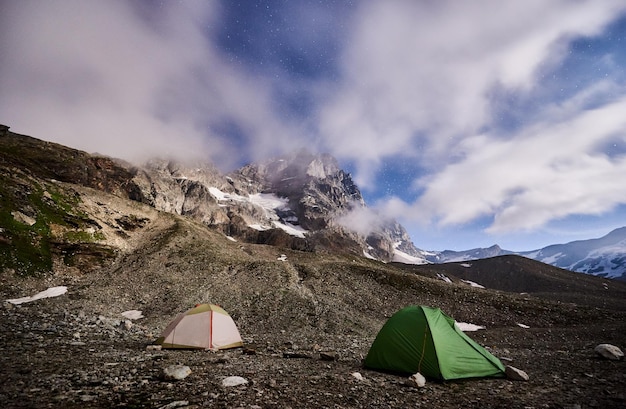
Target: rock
{"x": 609, "y": 351}
{"x": 357, "y": 376}
{"x": 296, "y": 355}
{"x": 22, "y": 218}
{"x": 249, "y": 350}
{"x": 328, "y": 356}
{"x": 175, "y": 404}
{"x": 126, "y": 325}
{"x": 176, "y": 372}
{"x": 234, "y": 381}
{"x": 515, "y": 374}
{"x": 154, "y": 347}
{"x": 416, "y": 380}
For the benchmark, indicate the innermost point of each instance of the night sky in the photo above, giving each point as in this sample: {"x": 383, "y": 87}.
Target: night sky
{"x": 471, "y": 123}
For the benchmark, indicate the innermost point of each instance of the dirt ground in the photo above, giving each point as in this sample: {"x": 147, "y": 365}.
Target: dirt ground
{"x": 57, "y": 354}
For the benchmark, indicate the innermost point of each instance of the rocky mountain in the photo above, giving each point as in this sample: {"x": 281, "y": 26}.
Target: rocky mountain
{"x": 127, "y": 248}
{"x": 296, "y": 201}
{"x": 319, "y": 195}
{"x": 604, "y": 256}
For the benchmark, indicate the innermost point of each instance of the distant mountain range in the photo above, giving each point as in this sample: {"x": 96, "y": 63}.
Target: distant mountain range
{"x": 604, "y": 256}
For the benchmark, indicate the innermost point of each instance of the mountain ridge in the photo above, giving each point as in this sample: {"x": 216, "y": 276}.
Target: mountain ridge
{"x": 604, "y": 256}
{"x": 302, "y": 201}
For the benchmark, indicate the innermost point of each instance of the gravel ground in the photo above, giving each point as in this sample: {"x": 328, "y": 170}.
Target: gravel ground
{"x": 57, "y": 355}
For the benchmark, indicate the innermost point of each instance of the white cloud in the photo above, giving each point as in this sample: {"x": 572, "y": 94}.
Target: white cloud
{"x": 129, "y": 82}
{"x": 547, "y": 172}
{"x": 417, "y": 76}
{"x": 361, "y": 220}
{"x": 419, "y": 81}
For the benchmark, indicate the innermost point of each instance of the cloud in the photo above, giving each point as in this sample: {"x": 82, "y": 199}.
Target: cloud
{"x": 547, "y": 172}
{"x": 428, "y": 80}
{"x": 361, "y": 220}
{"x": 417, "y": 77}
{"x": 130, "y": 82}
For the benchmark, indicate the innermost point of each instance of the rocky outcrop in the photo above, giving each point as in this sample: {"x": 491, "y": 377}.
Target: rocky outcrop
{"x": 317, "y": 190}
{"x": 262, "y": 202}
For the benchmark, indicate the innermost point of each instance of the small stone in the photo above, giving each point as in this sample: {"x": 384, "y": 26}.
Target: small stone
{"x": 176, "y": 372}
{"x": 296, "y": 355}
{"x": 154, "y": 347}
{"x": 249, "y": 350}
{"x": 357, "y": 376}
{"x": 515, "y": 374}
{"x": 328, "y": 356}
{"x": 133, "y": 314}
{"x": 416, "y": 380}
{"x": 234, "y": 381}
{"x": 175, "y": 404}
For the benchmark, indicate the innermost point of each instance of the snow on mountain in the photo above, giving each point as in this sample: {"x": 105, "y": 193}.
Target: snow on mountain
{"x": 449, "y": 256}
{"x": 270, "y": 203}
{"x": 604, "y": 256}
{"x": 403, "y": 257}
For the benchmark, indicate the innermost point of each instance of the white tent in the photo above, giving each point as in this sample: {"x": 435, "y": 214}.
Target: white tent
{"x": 206, "y": 326}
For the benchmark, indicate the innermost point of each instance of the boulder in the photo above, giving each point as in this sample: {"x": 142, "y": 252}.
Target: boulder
{"x": 609, "y": 351}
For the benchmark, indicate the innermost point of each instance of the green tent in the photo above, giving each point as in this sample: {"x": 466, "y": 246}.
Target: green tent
{"x": 425, "y": 340}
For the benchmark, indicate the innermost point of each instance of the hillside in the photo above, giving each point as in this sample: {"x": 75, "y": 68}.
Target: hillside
{"x": 517, "y": 274}
{"x": 307, "y": 316}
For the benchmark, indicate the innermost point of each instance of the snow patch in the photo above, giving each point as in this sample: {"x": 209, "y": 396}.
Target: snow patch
{"x": 290, "y": 229}
{"x": 443, "y": 277}
{"x": 466, "y": 265}
{"x": 552, "y": 259}
{"x": 473, "y": 284}
{"x": 270, "y": 203}
{"x": 133, "y": 314}
{"x": 259, "y": 227}
{"x": 50, "y": 292}
{"x": 368, "y": 255}
{"x": 402, "y": 257}
{"x": 467, "y": 327}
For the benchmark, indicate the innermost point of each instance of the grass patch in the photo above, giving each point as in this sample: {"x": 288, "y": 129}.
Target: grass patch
{"x": 28, "y": 249}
